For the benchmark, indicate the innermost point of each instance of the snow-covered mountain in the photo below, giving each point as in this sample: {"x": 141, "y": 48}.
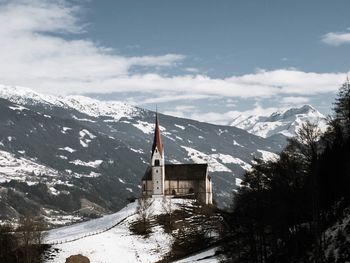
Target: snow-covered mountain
{"x": 76, "y": 156}
{"x": 286, "y": 122}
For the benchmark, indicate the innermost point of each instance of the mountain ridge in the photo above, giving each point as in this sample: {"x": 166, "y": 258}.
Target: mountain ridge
{"x": 285, "y": 122}
{"x": 99, "y": 158}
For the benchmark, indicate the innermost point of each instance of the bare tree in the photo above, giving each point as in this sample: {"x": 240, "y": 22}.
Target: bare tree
{"x": 144, "y": 211}
{"x": 168, "y": 209}
{"x": 167, "y": 205}
{"x": 30, "y": 234}
{"x": 305, "y": 144}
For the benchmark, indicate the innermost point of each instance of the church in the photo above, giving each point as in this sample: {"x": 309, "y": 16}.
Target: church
{"x": 178, "y": 180}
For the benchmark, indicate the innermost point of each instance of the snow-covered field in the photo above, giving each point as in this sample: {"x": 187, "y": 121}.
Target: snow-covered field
{"x": 109, "y": 239}
{"x": 90, "y": 227}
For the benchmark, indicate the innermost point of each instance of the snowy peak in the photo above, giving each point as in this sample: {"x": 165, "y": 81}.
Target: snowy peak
{"x": 94, "y": 108}
{"x": 285, "y": 122}
{"x": 304, "y": 111}
{"x": 26, "y": 96}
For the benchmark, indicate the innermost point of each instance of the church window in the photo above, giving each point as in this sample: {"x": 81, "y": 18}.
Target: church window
{"x": 157, "y": 171}
{"x": 157, "y": 187}
{"x": 173, "y": 192}
{"x": 144, "y": 187}
{"x": 156, "y": 162}
{"x": 191, "y": 191}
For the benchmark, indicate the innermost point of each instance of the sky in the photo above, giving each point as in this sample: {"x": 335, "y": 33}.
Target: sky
{"x": 201, "y": 59}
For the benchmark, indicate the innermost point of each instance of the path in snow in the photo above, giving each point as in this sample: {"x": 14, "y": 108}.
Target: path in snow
{"x": 88, "y": 228}
{"x": 118, "y": 244}
{"x": 108, "y": 240}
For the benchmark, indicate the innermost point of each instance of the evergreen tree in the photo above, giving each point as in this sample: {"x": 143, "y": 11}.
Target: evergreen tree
{"x": 342, "y": 108}
{"x": 284, "y": 207}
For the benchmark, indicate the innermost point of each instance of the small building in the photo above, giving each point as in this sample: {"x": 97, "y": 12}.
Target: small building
{"x": 182, "y": 180}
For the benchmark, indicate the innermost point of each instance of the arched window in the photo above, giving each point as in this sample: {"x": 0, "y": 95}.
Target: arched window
{"x": 173, "y": 192}
{"x": 191, "y": 191}
{"x": 144, "y": 187}
{"x": 156, "y": 162}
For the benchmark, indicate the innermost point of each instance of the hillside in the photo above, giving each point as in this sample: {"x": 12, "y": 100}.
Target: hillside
{"x": 75, "y": 156}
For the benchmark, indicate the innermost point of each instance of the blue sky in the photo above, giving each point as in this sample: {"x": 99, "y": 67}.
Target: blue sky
{"x": 208, "y": 60}
{"x": 223, "y": 38}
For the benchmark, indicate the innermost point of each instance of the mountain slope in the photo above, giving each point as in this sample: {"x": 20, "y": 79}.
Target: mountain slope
{"x": 286, "y": 122}
{"x": 78, "y": 156}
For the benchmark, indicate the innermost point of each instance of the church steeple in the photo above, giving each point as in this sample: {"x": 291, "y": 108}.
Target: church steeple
{"x": 157, "y": 162}
{"x": 157, "y": 141}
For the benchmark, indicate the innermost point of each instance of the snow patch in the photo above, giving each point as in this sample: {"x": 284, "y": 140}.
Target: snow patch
{"x": 146, "y": 127}
{"x": 82, "y": 119}
{"x": 18, "y": 108}
{"x": 121, "y": 180}
{"x": 68, "y": 149}
{"x": 65, "y": 129}
{"x": 84, "y": 133}
{"x": 179, "y": 126}
{"x": 199, "y": 157}
{"x": 238, "y": 182}
{"x": 93, "y": 164}
{"x": 136, "y": 151}
{"x": 225, "y": 158}
{"x": 268, "y": 156}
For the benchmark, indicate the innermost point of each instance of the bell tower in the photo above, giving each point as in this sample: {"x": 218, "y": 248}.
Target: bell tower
{"x": 157, "y": 162}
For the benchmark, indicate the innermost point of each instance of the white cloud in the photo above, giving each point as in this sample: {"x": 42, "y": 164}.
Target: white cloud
{"x": 336, "y": 38}
{"x": 295, "y": 100}
{"x": 181, "y": 111}
{"x": 221, "y": 118}
{"x": 263, "y": 84}
{"x": 166, "y": 97}
{"x": 35, "y": 52}
{"x": 192, "y": 70}
{"x": 224, "y": 118}
{"x": 185, "y": 108}
{"x": 176, "y": 113}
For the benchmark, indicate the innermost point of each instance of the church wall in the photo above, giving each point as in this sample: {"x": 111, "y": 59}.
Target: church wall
{"x": 147, "y": 188}
{"x": 202, "y": 190}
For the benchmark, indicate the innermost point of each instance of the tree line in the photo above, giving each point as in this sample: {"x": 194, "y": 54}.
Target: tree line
{"x": 23, "y": 243}
{"x": 284, "y": 207}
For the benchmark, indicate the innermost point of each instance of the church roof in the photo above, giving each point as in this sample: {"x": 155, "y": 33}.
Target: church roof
{"x": 190, "y": 172}
{"x": 157, "y": 141}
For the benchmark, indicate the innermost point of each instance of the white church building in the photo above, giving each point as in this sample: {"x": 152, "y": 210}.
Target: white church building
{"x": 180, "y": 180}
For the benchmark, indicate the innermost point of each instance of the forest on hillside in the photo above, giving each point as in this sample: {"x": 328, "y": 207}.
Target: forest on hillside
{"x": 297, "y": 208}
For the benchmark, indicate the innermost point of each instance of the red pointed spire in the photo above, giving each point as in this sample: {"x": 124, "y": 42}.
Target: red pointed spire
{"x": 157, "y": 141}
